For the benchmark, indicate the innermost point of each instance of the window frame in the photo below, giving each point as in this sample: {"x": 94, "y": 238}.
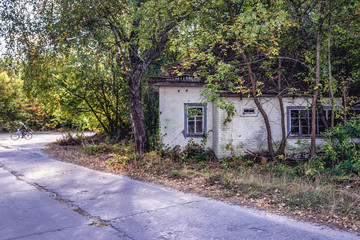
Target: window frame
{"x": 308, "y": 109}
{"x": 186, "y": 120}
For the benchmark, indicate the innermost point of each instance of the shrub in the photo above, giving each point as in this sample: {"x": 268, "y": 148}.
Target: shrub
{"x": 195, "y": 152}
{"x": 342, "y": 148}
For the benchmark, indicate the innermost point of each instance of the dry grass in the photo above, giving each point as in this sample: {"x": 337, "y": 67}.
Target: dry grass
{"x": 318, "y": 199}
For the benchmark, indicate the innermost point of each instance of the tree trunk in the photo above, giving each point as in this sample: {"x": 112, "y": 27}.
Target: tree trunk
{"x": 330, "y": 78}
{"x": 259, "y": 106}
{"x": 137, "y": 118}
{"x": 253, "y": 86}
{"x": 345, "y": 101}
{"x": 317, "y": 82}
{"x": 281, "y": 103}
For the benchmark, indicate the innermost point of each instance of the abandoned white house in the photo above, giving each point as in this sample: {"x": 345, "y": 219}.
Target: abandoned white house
{"x": 246, "y": 130}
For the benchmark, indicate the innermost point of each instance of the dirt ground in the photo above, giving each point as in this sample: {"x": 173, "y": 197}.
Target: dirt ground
{"x": 195, "y": 184}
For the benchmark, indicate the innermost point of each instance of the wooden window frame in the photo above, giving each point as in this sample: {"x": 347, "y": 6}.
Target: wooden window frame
{"x": 195, "y": 120}
{"x": 304, "y": 121}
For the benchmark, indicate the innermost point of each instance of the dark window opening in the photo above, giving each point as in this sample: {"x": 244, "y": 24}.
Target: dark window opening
{"x": 299, "y": 121}
{"x": 249, "y": 111}
{"x": 195, "y": 120}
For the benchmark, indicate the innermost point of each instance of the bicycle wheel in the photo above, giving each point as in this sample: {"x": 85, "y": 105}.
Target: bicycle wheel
{"x": 15, "y": 136}
{"x": 28, "y": 135}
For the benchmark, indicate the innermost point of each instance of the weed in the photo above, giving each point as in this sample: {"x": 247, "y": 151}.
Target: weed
{"x": 254, "y": 194}
{"x": 227, "y": 183}
{"x": 213, "y": 178}
{"x": 281, "y": 169}
{"x": 93, "y": 149}
{"x": 174, "y": 174}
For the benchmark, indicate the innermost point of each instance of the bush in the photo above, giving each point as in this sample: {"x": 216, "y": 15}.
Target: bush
{"x": 342, "y": 148}
{"x": 195, "y": 152}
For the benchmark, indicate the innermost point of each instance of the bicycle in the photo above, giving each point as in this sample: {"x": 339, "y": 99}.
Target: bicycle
{"x": 16, "y": 135}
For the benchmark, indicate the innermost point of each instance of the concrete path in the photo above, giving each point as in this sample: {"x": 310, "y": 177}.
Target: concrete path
{"x": 41, "y": 198}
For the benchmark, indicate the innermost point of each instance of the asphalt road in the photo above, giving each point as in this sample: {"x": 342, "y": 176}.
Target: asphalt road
{"x": 41, "y": 198}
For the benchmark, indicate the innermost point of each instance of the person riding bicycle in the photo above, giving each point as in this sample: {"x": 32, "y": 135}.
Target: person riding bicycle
{"x": 22, "y": 129}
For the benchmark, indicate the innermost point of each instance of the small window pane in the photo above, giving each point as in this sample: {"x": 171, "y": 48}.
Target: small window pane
{"x": 304, "y": 113}
{"x": 199, "y": 126}
{"x": 322, "y": 129}
{"x": 294, "y": 122}
{"x": 294, "y": 114}
{"x": 295, "y": 130}
{"x": 191, "y": 127}
{"x": 304, "y": 127}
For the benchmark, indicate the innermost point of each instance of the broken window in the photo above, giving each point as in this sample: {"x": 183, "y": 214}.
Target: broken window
{"x": 195, "y": 120}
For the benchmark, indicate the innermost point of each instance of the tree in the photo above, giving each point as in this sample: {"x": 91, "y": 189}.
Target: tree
{"x": 10, "y": 96}
{"x": 317, "y": 77}
{"x": 329, "y": 67}
{"x": 88, "y": 85}
{"x": 131, "y": 33}
{"x": 242, "y": 44}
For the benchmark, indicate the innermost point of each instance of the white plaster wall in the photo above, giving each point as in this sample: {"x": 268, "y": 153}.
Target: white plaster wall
{"x": 216, "y": 129}
{"x": 172, "y": 117}
{"x": 241, "y": 134}
{"x": 249, "y": 133}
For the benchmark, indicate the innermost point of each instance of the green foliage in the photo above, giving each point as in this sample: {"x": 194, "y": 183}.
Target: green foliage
{"x": 284, "y": 170}
{"x": 175, "y": 173}
{"x": 342, "y": 148}
{"x": 16, "y": 106}
{"x": 305, "y": 200}
{"x": 195, "y": 152}
{"x": 94, "y": 149}
{"x": 85, "y": 88}
{"x": 90, "y": 57}
{"x": 151, "y": 113}
{"x": 10, "y": 97}
{"x": 303, "y": 145}
{"x": 314, "y": 167}
{"x": 79, "y": 59}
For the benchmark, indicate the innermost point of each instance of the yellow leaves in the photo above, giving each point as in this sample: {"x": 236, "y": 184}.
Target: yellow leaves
{"x": 241, "y": 89}
{"x": 259, "y": 27}
{"x": 42, "y": 7}
{"x": 258, "y": 92}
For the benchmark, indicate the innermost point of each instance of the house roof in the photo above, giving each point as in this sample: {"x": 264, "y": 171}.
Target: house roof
{"x": 186, "y": 74}
{"x": 180, "y": 74}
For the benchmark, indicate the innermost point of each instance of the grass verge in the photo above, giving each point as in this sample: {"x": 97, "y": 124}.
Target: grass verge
{"x": 274, "y": 187}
